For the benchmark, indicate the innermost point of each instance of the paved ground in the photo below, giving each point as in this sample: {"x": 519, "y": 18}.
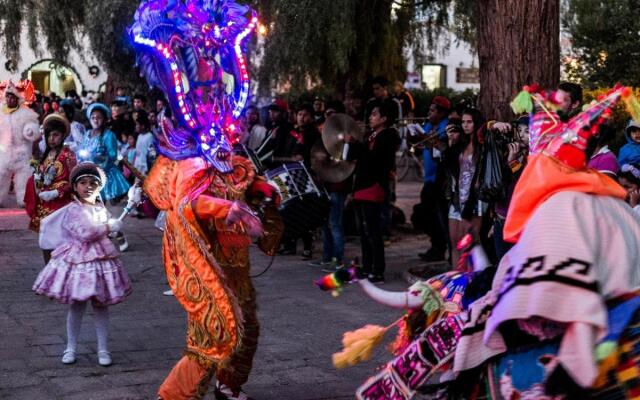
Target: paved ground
{"x": 300, "y": 326}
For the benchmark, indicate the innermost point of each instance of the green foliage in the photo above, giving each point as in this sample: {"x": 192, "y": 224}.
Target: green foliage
{"x": 62, "y": 24}
{"x": 339, "y": 42}
{"x": 346, "y": 42}
{"x": 606, "y": 40}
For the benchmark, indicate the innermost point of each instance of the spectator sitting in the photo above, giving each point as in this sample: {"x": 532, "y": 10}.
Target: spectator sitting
{"x": 630, "y": 152}
{"x": 629, "y": 178}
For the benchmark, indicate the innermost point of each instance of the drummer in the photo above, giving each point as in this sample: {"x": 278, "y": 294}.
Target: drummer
{"x": 282, "y": 144}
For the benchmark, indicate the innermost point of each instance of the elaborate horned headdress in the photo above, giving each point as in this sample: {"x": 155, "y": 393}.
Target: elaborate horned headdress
{"x": 194, "y": 51}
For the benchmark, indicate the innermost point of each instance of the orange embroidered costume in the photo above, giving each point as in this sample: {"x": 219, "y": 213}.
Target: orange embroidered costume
{"x": 207, "y": 266}
{"x": 192, "y": 50}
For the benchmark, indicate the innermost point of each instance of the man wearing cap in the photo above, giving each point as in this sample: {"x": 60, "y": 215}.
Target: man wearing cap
{"x": 281, "y": 144}
{"x": 432, "y": 196}
{"x": 19, "y": 129}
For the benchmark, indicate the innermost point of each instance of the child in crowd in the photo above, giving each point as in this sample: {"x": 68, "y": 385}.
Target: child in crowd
{"x": 49, "y": 189}
{"x": 630, "y": 152}
{"x": 128, "y": 152}
{"x": 629, "y": 178}
{"x": 85, "y": 265}
{"x": 144, "y": 142}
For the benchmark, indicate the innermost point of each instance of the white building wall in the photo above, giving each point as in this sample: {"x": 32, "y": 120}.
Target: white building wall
{"x": 459, "y": 55}
{"x": 77, "y": 63}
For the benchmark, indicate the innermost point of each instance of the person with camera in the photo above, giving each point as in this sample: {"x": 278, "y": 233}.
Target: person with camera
{"x": 515, "y": 149}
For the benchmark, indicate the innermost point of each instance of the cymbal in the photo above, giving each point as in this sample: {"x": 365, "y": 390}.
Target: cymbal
{"x": 327, "y": 168}
{"x": 336, "y": 127}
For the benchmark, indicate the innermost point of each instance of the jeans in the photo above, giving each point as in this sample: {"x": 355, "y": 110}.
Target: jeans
{"x": 333, "y": 231}
{"x": 369, "y": 219}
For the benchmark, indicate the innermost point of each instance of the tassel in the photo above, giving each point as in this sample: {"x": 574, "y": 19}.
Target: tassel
{"x": 607, "y": 355}
{"x": 523, "y": 103}
{"x": 359, "y": 344}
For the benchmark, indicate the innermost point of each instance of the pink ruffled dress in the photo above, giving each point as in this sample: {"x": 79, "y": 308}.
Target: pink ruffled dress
{"x": 86, "y": 267}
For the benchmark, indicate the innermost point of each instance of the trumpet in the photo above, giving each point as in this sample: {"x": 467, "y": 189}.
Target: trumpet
{"x": 409, "y": 121}
{"x": 428, "y": 141}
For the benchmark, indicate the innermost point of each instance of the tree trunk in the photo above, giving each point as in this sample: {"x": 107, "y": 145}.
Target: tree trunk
{"x": 518, "y": 44}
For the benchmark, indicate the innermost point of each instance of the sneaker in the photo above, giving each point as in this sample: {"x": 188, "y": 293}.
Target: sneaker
{"x": 168, "y": 292}
{"x": 307, "y": 255}
{"x": 432, "y": 255}
{"x": 319, "y": 263}
{"x": 69, "y": 356}
{"x": 377, "y": 279}
{"x": 224, "y": 392}
{"x": 287, "y": 252}
{"x": 104, "y": 358}
{"x": 123, "y": 245}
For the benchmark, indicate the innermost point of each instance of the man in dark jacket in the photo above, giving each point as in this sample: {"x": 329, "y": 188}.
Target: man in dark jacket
{"x": 281, "y": 144}
{"x": 375, "y": 158}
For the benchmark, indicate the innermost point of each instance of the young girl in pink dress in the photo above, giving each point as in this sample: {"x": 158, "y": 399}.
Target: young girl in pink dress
{"x": 85, "y": 265}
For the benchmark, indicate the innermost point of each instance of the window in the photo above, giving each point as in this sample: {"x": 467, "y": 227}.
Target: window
{"x": 434, "y": 76}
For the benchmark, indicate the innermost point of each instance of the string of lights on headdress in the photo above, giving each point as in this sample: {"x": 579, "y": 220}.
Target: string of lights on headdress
{"x": 194, "y": 51}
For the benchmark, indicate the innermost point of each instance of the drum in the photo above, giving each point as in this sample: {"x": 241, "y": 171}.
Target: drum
{"x": 304, "y": 207}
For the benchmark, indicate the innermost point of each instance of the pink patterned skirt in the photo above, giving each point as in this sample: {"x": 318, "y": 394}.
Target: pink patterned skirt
{"x": 103, "y": 281}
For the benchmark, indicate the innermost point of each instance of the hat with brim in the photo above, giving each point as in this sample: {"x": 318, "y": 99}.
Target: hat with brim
{"x": 58, "y": 117}
{"x": 98, "y": 106}
{"x": 632, "y": 124}
{"x": 88, "y": 169}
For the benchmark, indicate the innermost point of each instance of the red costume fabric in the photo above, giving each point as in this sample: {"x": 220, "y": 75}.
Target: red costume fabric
{"x": 51, "y": 174}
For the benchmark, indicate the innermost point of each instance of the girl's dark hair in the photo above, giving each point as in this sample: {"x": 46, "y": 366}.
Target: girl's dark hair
{"x": 476, "y": 115}
{"x": 51, "y": 126}
{"x": 628, "y": 175}
{"x": 143, "y": 119}
{"x": 478, "y": 122}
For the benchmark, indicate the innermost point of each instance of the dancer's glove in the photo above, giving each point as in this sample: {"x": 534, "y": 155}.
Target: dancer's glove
{"x": 135, "y": 194}
{"x": 48, "y": 195}
{"x": 114, "y": 225}
{"x": 240, "y": 213}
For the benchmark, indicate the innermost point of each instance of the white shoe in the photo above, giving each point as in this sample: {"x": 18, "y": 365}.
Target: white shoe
{"x": 69, "y": 356}
{"x": 104, "y": 358}
{"x": 168, "y": 292}
{"x": 224, "y": 392}
{"x": 123, "y": 245}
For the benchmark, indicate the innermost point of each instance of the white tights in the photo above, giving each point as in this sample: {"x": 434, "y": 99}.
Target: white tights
{"x": 74, "y": 322}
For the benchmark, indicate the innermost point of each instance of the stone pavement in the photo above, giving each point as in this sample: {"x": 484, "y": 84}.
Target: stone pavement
{"x": 300, "y": 325}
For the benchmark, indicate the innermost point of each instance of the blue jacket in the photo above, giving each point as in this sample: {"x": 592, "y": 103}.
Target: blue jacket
{"x": 431, "y": 164}
{"x": 630, "y": 152}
